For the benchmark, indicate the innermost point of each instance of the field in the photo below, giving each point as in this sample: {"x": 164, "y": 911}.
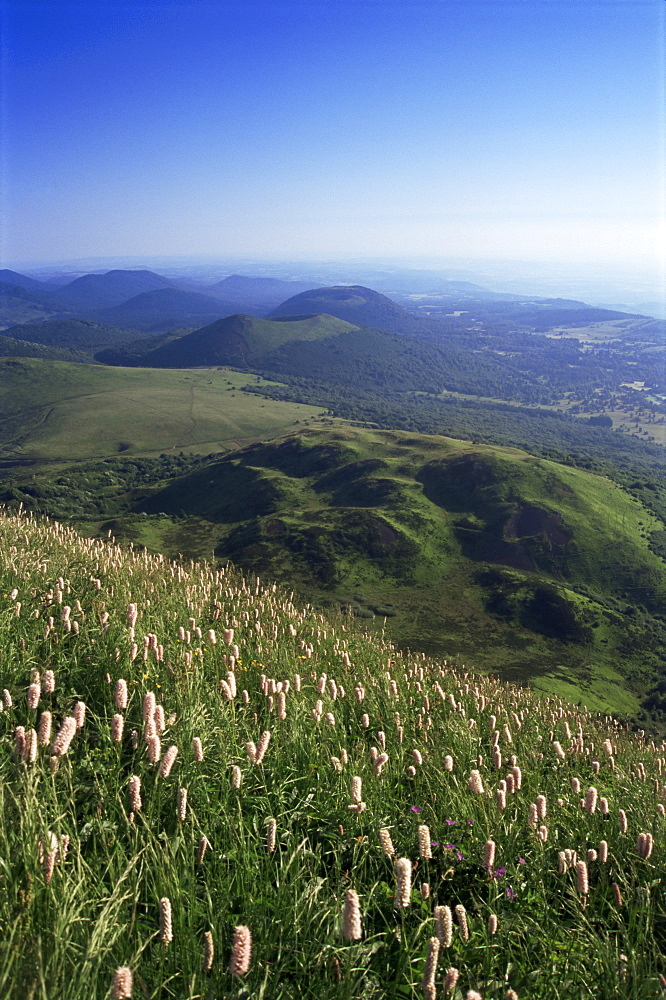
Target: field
{"x": 56, "y": 410}
{"x": 207, "y": 791}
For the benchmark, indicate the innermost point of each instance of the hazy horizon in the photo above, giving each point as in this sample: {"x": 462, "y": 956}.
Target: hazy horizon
{"x": 286, "y": 130}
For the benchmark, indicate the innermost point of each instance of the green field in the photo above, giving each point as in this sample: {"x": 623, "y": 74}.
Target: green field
{"x": 55, "y": 410}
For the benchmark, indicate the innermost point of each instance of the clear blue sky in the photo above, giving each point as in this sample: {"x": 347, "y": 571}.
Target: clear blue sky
{"x": 319, "y": 128}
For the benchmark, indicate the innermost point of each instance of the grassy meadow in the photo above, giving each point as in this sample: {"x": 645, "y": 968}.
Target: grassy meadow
{"x": 208, "y": 791}
{"x": 55, "y": 410}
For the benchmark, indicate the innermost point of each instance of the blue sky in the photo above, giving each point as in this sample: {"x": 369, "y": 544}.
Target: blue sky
{"x": 530, "y": 129}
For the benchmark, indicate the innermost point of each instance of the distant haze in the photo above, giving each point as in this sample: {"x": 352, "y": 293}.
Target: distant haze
{"x": 312, "y": 130}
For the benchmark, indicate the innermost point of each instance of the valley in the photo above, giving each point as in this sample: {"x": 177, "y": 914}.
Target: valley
{"x": 483, "y": 479}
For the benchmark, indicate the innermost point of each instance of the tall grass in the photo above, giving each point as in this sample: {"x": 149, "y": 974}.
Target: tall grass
{"x": 241, "y": 871}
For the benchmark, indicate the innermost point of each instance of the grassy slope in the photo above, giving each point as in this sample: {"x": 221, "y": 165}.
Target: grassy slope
{"x": 424, "y": 530}
{"x": 71, "y": 918}
{"x": 265, "y": 335}
{"x": 234, "y": 338}
{"x": 57, "y": 410}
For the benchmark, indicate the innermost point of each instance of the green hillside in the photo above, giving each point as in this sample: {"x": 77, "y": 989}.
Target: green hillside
{"x": 355, "y": 304}
{"x": 53, "y": 410}
{"x": 207, "y": 792}
{"x": 234, "y": 339}
{"x": 523, "y": 566}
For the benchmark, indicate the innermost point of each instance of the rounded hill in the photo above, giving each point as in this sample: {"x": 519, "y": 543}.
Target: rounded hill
{"x": 237, "y": 339}
{"x": 353, "y": 303}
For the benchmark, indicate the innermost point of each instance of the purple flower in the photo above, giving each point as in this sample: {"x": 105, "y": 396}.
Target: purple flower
{"x": 450, "y": 847}
{"x": 416, "y": 809}
{"x": 521, "y": 861}
{"x": 510, "y": 894}
{"x": 500, "y": 872}
{"x": 450, "y": 822}
{"x": 470, "y": 822}
{"x": 435, "y": 843}
{"x": 460, "y": 856}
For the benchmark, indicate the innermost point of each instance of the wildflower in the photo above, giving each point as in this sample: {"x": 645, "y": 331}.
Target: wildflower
{"x": 117, "y": 724}
{"x": 644, "y": 845}
{"x": 197, "y": 748}
{"x": 582, "y": 882}
{"x": 623, "y": 821}
{"x": 134, "y": 786}
{"x": 166, "y": 928}
{"x": 461, "y": 917}
{"x": 181, "y": 807}
{"x": 236, "y": 776}
{"x": 591, "y": 800}
{"x": 208, "y": 951}
{"x": 48, "y": 682}
{"x": 473, "y": 995}
{"x": 154, "y": 749}
{"x": 64, "y": 736}
{"x": 148, "y": 707}
{"x": 425, "y": 849}
{"x": 425, "y": 890}
{"x": 168, "y": 761}
{"x": 492, "y": 924}
{"x": 541, "y": 806}
{"x": 416, "y": 809}
{"x": 489, "y": 855}
{"x": 448, "y": 763}
{"x": 475, "y": 783}
{"x": 355, "y": 791}
{"x": 509, "y": 892}
{"x": 618, "y": 895}
{"x": 603, "y": 851}
{"x": 430, "y": 969}
{"x": 403, "y": 875}
{"x": 44, "y": 729}
{"x": 450, "y": 979}
{"x": 34, "y": 692}
{"x": 351, "y": 918}
{"x": 262, "y": 747}
{"x": 444, "y": 925}
{"x": 29, "y": 751}
{"x": 386, "y": 842}
{"x": 204, "y": 844}
{"x": 271, "y": 835}
{"x": 121, "y": 987}
{"x": 241, "y": 951}
{"x": 120, "y": 695}
{"x": 158, "y": 719}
